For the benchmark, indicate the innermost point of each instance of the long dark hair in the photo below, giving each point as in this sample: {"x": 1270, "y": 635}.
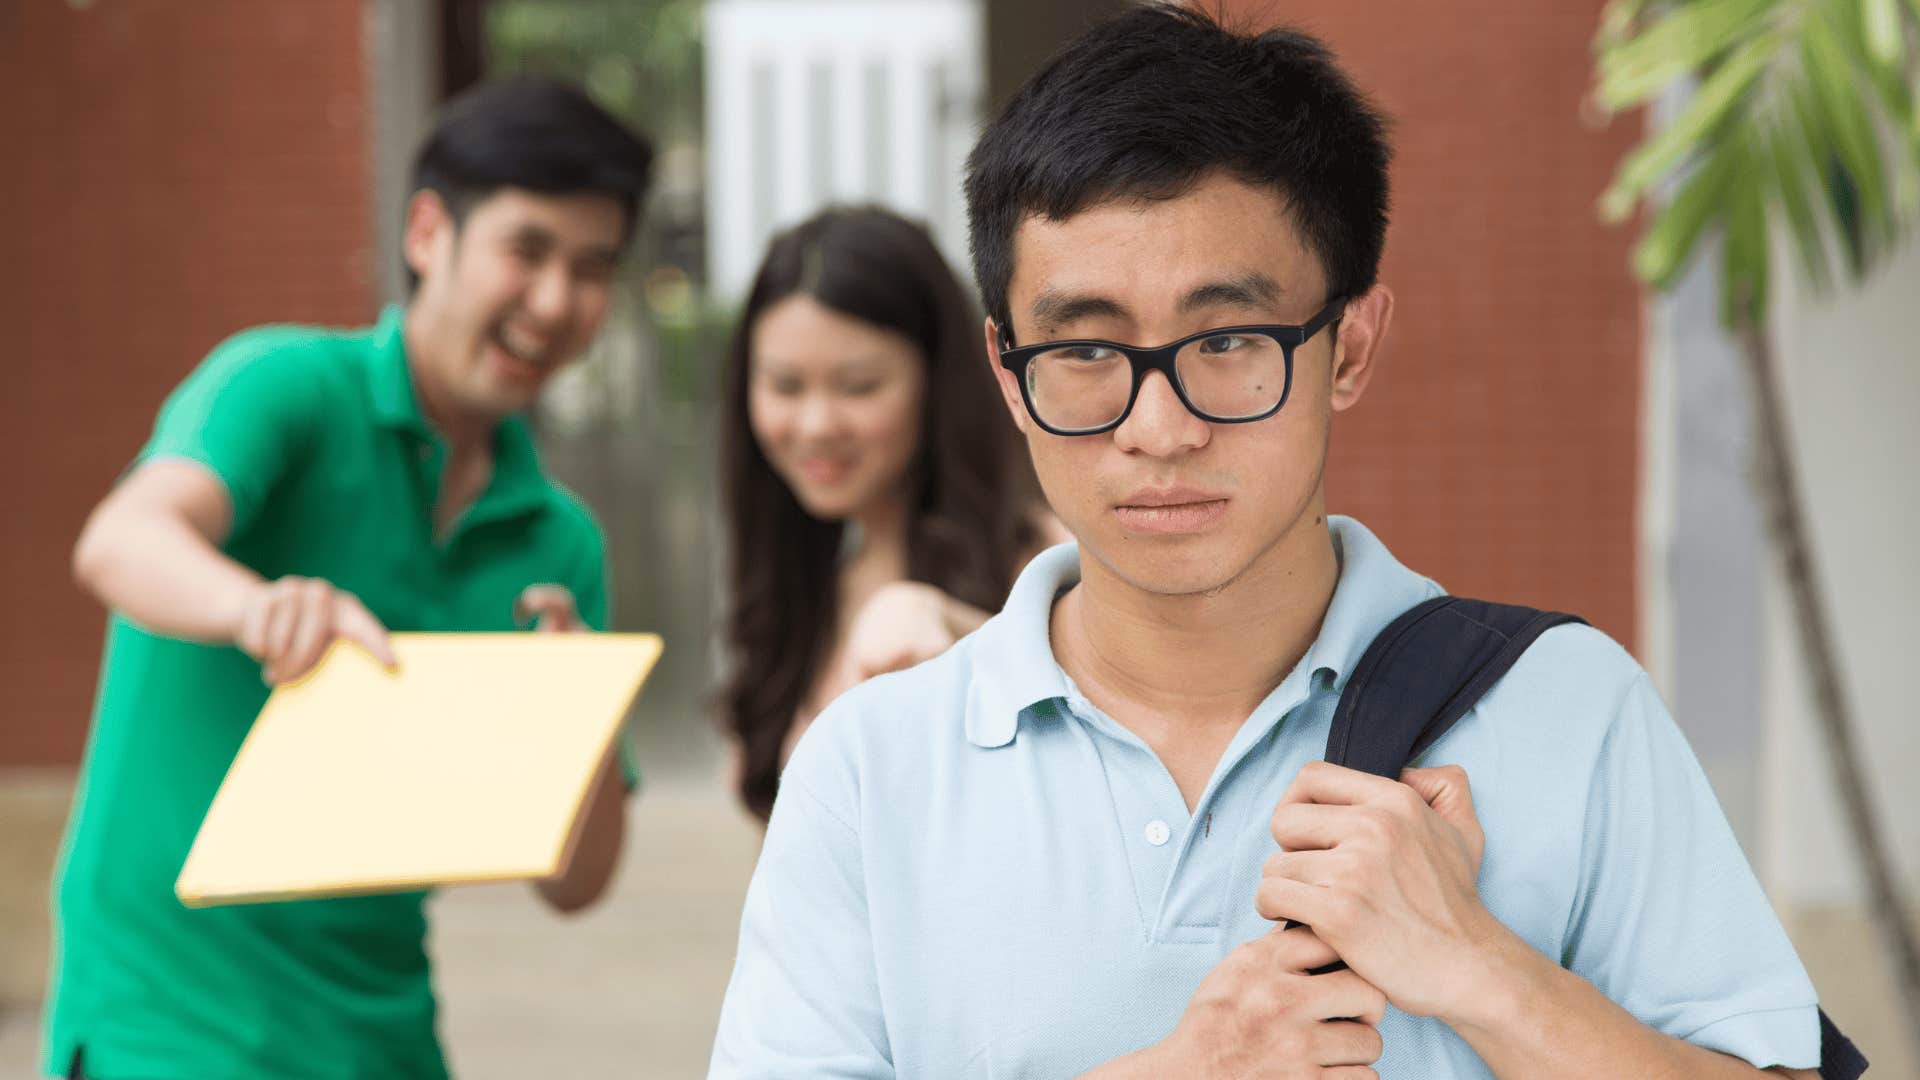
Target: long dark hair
{"x": 968, "y": 492}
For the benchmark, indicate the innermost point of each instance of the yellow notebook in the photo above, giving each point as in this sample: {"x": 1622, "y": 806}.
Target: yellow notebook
{"x": 468, "y": 763}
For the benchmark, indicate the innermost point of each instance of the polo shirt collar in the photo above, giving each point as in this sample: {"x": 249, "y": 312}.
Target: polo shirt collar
{"x": 1016, "y": 670}
{"x": 1374, "y": 589}
{"x": 518, "y": 484}
{"x": 388, "y": 378}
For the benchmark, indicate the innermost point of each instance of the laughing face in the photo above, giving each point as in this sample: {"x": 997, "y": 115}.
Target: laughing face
{"x": 506, "y": 296}
{"x": 835, "y": 405}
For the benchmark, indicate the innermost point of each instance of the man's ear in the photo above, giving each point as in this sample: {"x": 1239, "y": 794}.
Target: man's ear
{"x": 1357, "y": 345}
{"x": 428, "y": 233}
{"x": 1008, "y": 382}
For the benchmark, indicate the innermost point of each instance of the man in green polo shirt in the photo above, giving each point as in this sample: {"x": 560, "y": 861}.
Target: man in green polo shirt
{"x": 305, "y": 485}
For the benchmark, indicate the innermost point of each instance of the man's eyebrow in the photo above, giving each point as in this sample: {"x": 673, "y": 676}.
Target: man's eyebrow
{"x": 1251, "y": 289}
{"x": 1054, "y": 309}
{"x": 541, "y": 236}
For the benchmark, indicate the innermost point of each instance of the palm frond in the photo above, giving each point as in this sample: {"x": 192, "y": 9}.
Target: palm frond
{"x": 1801, "y": 112}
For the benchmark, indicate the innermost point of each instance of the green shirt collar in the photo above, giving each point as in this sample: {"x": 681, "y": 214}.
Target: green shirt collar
{"x": 389, "y": 379}
{"x": 518, "y": 486}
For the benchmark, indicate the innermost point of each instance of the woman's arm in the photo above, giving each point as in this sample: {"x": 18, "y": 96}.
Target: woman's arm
{"x": 904, "y": 623}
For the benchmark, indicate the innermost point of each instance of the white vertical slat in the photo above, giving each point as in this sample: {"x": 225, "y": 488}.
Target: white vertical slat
{"x": 730, "y": 157}
{"x": 850, "y": 164}
{"x": 790, "y": 132}
{"x": 922, "y": 145}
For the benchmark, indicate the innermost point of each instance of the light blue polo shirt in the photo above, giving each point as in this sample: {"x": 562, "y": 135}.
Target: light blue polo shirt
{"x": 971, "y": 871}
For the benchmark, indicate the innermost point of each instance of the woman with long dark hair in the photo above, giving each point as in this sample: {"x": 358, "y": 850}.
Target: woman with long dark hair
{"x": 877, "y": 508}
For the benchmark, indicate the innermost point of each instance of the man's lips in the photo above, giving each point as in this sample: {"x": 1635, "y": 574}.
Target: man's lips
{"x": 512, "y": 366}
{"x": 531, "y": 351}
{"x": 1178, "y": 495}
{"x": 1171, "y": 511}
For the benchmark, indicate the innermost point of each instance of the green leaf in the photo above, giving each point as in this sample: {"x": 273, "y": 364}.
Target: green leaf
{"x": 1844, "y": 113}
{"x": 1679, "y": 44}
{"x": 1837, "y": 200}
{"x": 1784, "y": 159}
{"x": 1901, "y": 135}
{"x": 1682, "y": 138}
{"x": 1882, "y": 21}
{"x": 1869, "y": 33}
{"x": 1668, "y": 246}
{"x": 1906, "y": 197}
{"x": 1807, "y": 116}
{"x": 1743, "y": 264}
{"x": 1808, "y": 122}
{"x": 1617, "y": 19}
{"x": 1913, "y": 108}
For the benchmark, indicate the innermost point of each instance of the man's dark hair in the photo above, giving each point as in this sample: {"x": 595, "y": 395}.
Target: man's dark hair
{"x": 1144, "y": 104}
{"x": 536, "y": 134}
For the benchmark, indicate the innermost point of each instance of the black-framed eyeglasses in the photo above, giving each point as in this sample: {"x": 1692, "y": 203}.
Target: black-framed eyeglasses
{"x": 1227, "y": 375}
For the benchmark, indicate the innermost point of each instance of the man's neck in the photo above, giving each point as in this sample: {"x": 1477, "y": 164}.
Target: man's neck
{"x": 468, "y": 436}
{"x": 1200, "y": 660}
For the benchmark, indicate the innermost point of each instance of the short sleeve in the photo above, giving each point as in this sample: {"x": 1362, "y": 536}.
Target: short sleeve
{"x": 1670, "y": 921}
{"x": 247, "y": 413}
{"x": 804, "y": 999}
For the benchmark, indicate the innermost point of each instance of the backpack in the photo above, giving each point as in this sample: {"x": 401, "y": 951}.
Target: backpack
{"x": 1421, "y": 675}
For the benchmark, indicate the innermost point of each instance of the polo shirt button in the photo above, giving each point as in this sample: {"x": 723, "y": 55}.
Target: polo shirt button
{"x": 1157, "y": 833}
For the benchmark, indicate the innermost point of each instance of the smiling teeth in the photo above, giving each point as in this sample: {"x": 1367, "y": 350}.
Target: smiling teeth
{"x": 518, "y": 349}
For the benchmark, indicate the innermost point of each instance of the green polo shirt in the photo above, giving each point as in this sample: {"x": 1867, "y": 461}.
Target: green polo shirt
{"x": 333, "y": 472}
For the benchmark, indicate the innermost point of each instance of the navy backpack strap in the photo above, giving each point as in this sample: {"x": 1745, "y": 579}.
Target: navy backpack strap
{"x": 1421, "y": 675}
{"x": 1839, "y": 1058}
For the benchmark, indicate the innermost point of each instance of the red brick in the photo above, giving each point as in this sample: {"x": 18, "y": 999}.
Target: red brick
{"x": 179, "y": 171}
{"x": 1498, "y": 450}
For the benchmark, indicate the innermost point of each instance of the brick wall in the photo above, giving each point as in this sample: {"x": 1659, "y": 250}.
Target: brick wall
{"x": 180, "y": 171}
{"x": 1498, "y": 450}
{"x": 174, "y": 172}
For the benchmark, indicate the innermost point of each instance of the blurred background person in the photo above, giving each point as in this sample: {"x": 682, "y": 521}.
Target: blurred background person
{"x": 877, "y": 506}
{"x": 309, "y": 484}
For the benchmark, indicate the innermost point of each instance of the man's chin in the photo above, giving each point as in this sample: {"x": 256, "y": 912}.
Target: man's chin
{"x": 1192, "y": 566}
{"x": 503, "y": 401}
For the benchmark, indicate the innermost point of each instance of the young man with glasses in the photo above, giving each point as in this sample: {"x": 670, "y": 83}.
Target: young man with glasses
{"x": 1080, "y": 840}
{"x": 305, "y": 485}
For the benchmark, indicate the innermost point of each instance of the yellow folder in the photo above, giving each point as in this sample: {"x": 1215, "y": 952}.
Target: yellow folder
{"x": 470, "y": 762}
